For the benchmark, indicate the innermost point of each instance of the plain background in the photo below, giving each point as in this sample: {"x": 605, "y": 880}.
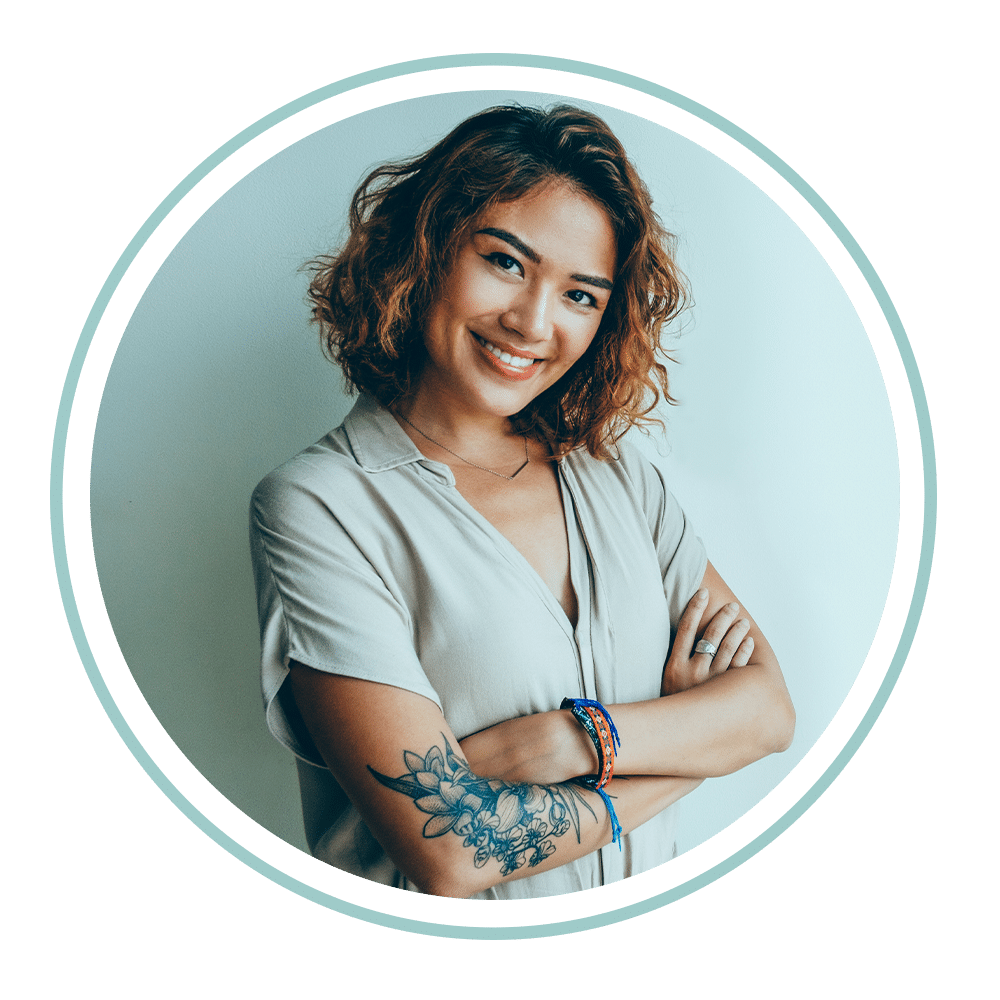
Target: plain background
{"x": 884, "y": 886}
{"x": 781, "y": 451}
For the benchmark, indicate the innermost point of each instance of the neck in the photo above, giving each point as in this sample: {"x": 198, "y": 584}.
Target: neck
{"x": 452, "y": 422}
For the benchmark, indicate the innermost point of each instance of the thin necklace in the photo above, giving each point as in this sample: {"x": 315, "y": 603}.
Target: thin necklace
{"x": 483, "y": 468}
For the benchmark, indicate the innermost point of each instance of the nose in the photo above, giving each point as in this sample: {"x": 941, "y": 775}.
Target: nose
{"x": 530, "y": 314}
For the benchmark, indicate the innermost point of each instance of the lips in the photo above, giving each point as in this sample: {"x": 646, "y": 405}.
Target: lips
{"x": 509, "y": 362}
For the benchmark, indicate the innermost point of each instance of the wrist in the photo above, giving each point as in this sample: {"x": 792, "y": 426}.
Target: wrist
{"x": 577, "y": 752}
{"x": 596, "y": 721}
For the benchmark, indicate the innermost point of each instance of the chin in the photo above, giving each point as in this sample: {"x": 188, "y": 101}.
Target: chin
{"x": 503, "y": 404}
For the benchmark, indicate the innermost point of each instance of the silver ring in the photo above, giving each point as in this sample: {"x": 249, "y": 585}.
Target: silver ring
{"x": 704, "y": 646}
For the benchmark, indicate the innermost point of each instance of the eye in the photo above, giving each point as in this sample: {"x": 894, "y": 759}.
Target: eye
{"x": 504, "y": 261}
{"x": 582, "y": 298}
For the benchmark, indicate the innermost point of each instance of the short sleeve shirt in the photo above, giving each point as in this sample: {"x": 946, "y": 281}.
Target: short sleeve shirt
{"x": 370, "y": 563}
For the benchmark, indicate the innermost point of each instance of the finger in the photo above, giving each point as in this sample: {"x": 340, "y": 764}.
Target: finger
{"x": 687, "y": 627}
{"x": 720, "y": 623}
{"x": 729, "y": 646}
{"x": 743, "y": 654}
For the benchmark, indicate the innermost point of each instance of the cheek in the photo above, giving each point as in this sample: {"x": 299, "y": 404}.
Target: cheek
{"x": 438, "y": 334}
{"x": 470, "y": 288}
{"x": 461, "y": 303}
{"x": 586, "y": 339}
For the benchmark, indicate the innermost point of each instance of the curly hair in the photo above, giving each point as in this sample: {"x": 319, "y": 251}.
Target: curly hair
{"x": 408, "y": 220}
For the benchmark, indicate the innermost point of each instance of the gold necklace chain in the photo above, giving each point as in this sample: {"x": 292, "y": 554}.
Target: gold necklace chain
{"x": 482, "y": 468}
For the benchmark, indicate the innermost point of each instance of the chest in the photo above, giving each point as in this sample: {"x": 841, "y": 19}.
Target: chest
{"x": 468, "y": 569}
{"x": 488, "y": 629}
{"x": 529, "y": 512}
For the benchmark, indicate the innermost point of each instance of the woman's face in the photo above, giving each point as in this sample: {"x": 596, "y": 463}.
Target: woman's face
{"x": 522, "y": 302}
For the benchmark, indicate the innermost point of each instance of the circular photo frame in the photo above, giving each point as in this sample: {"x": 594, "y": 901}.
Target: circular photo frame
{"x": 802, "y": 451}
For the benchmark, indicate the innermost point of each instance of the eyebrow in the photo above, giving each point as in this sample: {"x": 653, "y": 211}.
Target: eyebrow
{"x": 522, "y": 247}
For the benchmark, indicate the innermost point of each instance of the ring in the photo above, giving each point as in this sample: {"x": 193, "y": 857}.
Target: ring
{"x": 704, "y": 646}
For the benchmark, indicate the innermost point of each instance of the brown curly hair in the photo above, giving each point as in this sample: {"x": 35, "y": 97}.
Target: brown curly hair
{"x": 407, "y": 221}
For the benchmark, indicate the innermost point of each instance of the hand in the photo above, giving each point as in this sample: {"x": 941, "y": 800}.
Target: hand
{"x": 685, "y": 668}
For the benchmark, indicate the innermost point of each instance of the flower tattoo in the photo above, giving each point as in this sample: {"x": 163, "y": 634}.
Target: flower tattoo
{"x": 513, "y": 823}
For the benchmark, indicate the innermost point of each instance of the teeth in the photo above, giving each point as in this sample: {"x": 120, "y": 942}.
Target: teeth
{"x": 507, "y": 359}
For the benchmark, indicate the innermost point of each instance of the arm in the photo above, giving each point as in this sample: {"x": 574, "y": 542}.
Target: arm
{"x": 449, "y": 830}
{"x": 320, "y": 594}
{"x": 710, "y": 720}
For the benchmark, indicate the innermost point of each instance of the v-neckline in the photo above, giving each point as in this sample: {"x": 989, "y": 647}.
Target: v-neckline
{"x": 517, "y": 557}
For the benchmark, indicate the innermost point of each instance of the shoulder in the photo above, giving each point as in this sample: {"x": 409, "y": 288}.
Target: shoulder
{"x": 309, "y": 480}
{"x": 633, "y": 480}
{"x": 628, "y": 466}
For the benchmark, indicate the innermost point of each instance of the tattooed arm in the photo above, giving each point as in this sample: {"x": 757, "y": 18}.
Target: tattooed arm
{"x": 452, "y": 832}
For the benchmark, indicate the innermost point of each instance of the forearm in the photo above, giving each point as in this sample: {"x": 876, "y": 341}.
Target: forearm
{"x": 636, "y": 800}
{"x": 713, "y": 729}
{"x": 723, "y": 701}
{"x": 480, "y": 833}
{"x": 451, "y": 827}
{"x": 710, "y": 730}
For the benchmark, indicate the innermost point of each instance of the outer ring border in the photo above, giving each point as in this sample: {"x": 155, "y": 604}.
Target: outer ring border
{"x": 404, "y": 69}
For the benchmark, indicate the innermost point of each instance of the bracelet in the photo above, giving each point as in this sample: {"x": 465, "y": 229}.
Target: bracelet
{"x": 597, "y": 723}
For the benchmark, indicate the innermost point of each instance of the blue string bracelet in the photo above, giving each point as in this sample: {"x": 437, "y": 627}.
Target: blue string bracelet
{"x": 597, "y": 723}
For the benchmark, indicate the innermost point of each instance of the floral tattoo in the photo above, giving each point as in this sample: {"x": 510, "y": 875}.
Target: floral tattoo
{"x": 513, "y": 823}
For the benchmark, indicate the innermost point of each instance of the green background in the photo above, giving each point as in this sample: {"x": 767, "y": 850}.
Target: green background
{"x": 883, "y": 886}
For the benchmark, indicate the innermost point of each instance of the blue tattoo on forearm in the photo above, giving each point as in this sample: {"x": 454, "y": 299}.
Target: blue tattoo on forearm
{"x": 513, "y": 823}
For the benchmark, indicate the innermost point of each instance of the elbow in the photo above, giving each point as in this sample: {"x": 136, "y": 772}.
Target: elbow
{"x": 452, "y": 880}
{"x": 775, "y": 713}
{"x": 766, "y": 725}
{"x": 441, "y": 887}
{"x": 444, "y": 866}
{"x": 772, "y": 729}
{"x": 782, "y": 725}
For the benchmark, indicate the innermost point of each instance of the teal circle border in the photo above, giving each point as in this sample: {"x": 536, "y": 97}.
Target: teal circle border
{"x": 405, "y": 69}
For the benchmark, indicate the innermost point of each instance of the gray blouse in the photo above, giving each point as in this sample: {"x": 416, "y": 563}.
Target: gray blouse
{"x": 369, "y": 563}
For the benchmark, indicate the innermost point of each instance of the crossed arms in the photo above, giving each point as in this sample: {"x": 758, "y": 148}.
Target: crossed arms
{"x": 458, "y": 818}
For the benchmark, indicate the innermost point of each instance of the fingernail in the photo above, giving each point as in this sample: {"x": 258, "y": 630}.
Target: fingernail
{"x": 732, "y": 607}
{"x": 702, "y": 594}
{"x": 743, "y": 622}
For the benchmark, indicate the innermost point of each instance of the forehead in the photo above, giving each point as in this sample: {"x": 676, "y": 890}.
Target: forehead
{"x": 561, "y": 224}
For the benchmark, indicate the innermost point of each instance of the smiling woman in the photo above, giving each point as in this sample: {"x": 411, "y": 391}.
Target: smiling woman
{"x": 463, "y": 585}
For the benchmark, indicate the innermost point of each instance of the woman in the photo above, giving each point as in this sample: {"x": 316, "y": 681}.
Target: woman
{"x": 474, "y": 544}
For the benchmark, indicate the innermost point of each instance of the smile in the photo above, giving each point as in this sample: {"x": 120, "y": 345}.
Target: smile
{"x": 511, "y": 360}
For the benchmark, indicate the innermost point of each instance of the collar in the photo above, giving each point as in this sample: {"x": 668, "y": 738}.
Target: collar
{"x": 380, "y": 444}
